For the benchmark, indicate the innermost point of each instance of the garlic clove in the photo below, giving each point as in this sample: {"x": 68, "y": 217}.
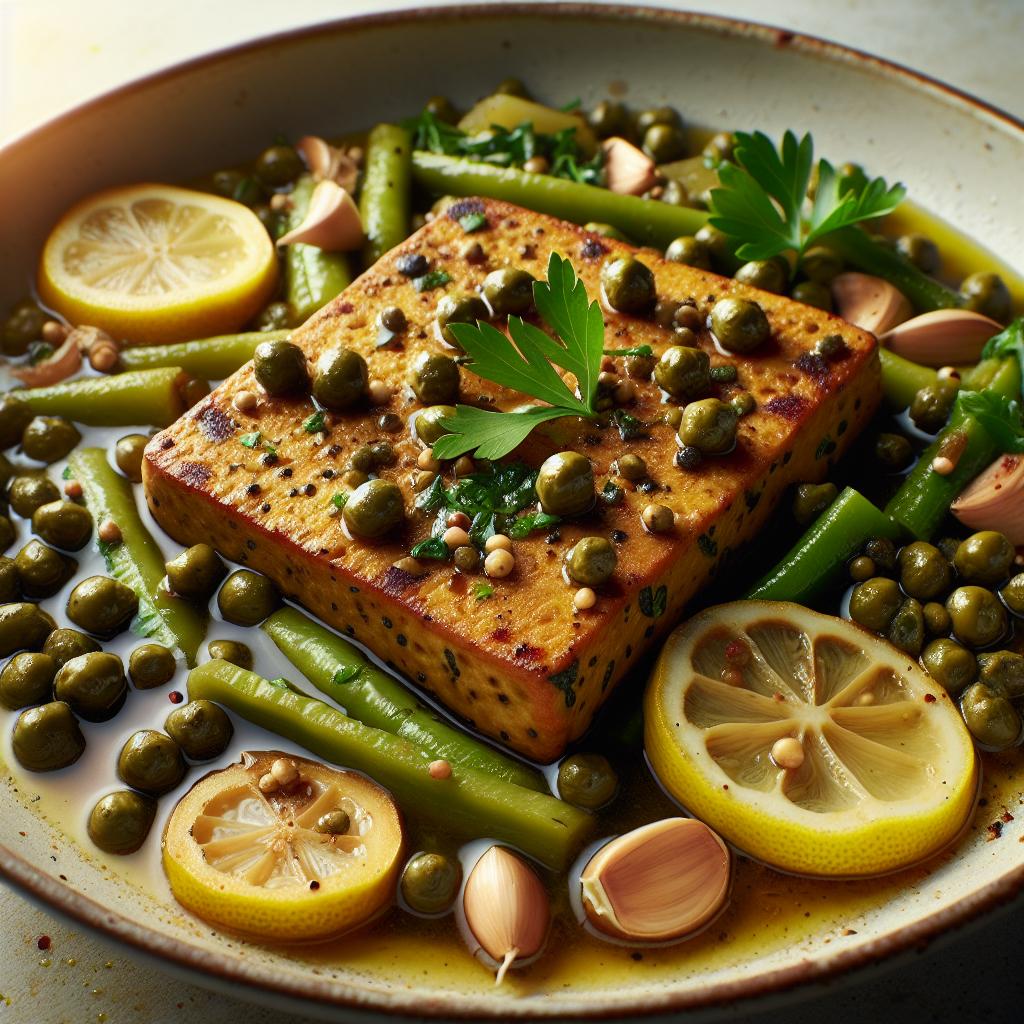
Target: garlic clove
{"x": 332, "y": 222}
{"x": 995, "y": 500}
{"x": 869, "y": 302}
{"x": 63, "y": 362}
{"x": 659, "y": 882}
{"x": 506, "y": 908}
{"x": 627, "y": 170}
{"x": 327, "y": 162}
{"x": 942, "y": 337}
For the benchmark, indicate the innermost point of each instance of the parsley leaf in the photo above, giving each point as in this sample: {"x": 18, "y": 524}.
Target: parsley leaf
{"x": 432, "y": 547}
{"x": 761, "y": 200}
{"x": 252, "y": 440}
{"x": 644, "y": 351}
{"x": 482, "y": 591}
{"x": 473, "y": 222}
{"x": 525, "y": 525}
{"x": 316, "y": 423}
{"x": 999, "y": 415}
{"x": 340, "y": 500}
{"x": 430, "y": 280}
{"x": 1008, "y": 342}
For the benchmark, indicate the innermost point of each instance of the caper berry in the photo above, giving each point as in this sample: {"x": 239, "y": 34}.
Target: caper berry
{"x": 739, "y": 324}
{"x": 987, "y": 294}
{"x": 459, "y": 309}
{"x": 231, "y": 650}
{"x": 587, "y": 780}
{"x": 23, "y": 627}
{"x": 201, "y": 728}
{"x": 591, "y": 561}
{"x": 920, "y": 251}
{"x": 932, "y": 405}
{"x": 1013, "y": 594}
{"x": 993, "y": 721}
{"x": 430, "y": 883}
{"x": 27, "y": 679}
{"x": 102, "y": 606}
{"x": 280, "y": 368}
{"x": 49, "y": 438}
{"x": 768, "y": 275}
{"x": 689, "y": 250}
{"x": 1001, "y": 671}
{"x": 985, "y": 558}
{"x": 92, "y": 685}
{"x": 821, "y": 264}
{"x": 247, "y": 598}
{"x": 509, "y": 291}
{"x": 15, "y": 416}
{"x": 874, "y": 603}
{"x": 64, "y": 644}
{"x": 683, "y": 372}
{"x": 812, "y": 293}
{"x": 664, "y": 143}
{"x": 27, "y": 493}
{"x": 565, "y": 484}
{"x": 151, "y": 665}
{"x": 63, "y": 524}
{"x": 709, "y": 425}
{"x": 128, "y": 455}
{"x": 195, "y": 573}
{"x": 434, "y": 378}
{"x": 906, "y": 631}
{"x": 950, "y": 664}
{"x": 428, "y": 423}
{"x": 374, "y": 509}
{"x": 43, "y": 570}
{"x": 893, "y": 452}
{"x": 628, "y": 285}
{"x": 811, "y": 500}
{"x": 924, "y": 571}
{"x": 977, "y": 616}
{"x": 610, "y": 118}
{"x": 120, "y": 821}
{"x": 151, "y": 762}
{"x": 47, "y": 738}
{"x": 342, "y": 379}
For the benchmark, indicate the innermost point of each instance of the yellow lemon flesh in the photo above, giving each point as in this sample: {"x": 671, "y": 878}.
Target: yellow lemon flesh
{"x": 152, "y": 264}
{"x": 807, "y": 742}
{"x": 255, "y": 862}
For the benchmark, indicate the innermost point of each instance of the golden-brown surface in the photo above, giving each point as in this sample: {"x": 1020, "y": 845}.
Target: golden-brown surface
{"x": 522, "y": 666}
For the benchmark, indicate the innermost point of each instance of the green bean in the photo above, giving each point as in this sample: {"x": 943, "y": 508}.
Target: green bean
{"x": 209, "y": 358}
{"x": 385, "y": 198}
{"x": 371, "y": 696}
{"x": 312, "y": 277}
{"x": 469, "y": 802}
{"x": 129, "y": 399}
{"x": 819, "y": 557}
{"x": 902, "y": 379}
{"x": 646, "y": 221}
{"x": 860, "y": 250}
{"x": 923, "y": 500}
{"x": 136, "y": 561}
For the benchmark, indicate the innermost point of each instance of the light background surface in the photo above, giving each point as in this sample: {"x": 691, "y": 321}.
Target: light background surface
{"x": 55, "y": 54}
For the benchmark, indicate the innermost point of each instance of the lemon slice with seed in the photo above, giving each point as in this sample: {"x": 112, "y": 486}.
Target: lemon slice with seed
{"x": 153, "y": 264}
{"x": 256, "y": 862}
{"x": 807, "y": 742}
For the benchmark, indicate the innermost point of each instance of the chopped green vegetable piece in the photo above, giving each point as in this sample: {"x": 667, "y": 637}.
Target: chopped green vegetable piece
{"x": 482, "y": 591}
{"x": 432, "y": 548}
{"x": 644, "y": 351}
{"x": 253, "y": 440}
{"x": 525, "y": 525}
{"x": 339, "y": 500}
{"x": 473, "y": 222}
{"x": 316, "y": 423}
{"x": 431, "y": 279}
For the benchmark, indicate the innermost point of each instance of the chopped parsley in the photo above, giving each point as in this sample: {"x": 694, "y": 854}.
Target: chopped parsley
{"x": 482, "y": 591}
{"x": 471, "y": 222}
{"x": 525, "y": 525}
{"x": 430, "y": 280}
{"x": 315, "y": 424}
{"x": 253, "y": 440}
{"x": 340, "y": 500}
{"x": 645, "y": 351}
{"x": 433, "y": 548}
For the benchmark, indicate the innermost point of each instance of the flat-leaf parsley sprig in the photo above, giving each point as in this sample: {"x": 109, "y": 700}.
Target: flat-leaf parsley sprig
{"x": 527, "y": 363}
{"x": 762, "y": 200}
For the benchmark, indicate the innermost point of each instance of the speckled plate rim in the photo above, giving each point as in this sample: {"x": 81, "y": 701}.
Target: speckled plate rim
{"x": 318, "y": 995}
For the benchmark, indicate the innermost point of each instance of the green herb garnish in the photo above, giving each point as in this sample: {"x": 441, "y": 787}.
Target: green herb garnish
{"x": 430, "y": 280}
{"x": 1000, "y": 416}
{"x": 1008, "y": 342}
{"x": 612, "y": 493}
{"x": 432, "y": 547}
{"x": 629, "y": 427}
{"x": 525, "y": 525}
{"x": 340, "y": 500}
{"x": 482, "y": 591}
{"x": 471, "y": 222}
{"x": 762, "y": 200}
{"x": 252, "y": 440}
{"x": 315, "y": 424}
{"x": 637, "y": 350}
{"x": 527, "y": 364}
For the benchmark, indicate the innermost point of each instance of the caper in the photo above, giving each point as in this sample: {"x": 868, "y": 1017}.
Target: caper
{"x": 49, "y": 438}
{"x": 717, "y": 245}
{"x": 22, "y": 327}
{"x": 509, "y": 291}
{"x": 278, "y": 166}
{"x": 151, "y": 762}
{"x": 906, "y": 630}
{"x": 591, "y": 561}
{"x": 512, "y": 87}
{"x": 639, "y": 367}
{"x": 948, "y": 546}
{"x": 883, "y": 552}
{"x": 936, "y": 619}
{"x": 977, "y": 616}
{"x": 195, "y": 573}
{"x": 201, "y": 728}
{"x": 280, "y": 368}
{"x": 63, "y": 524}
{"x": 231, "y": 650}
{"x": 821, "y": 264}
{"x": 893, "y": 452}
{"x": 992, "y": 720}
{"x": 932, "y": 405}
{"x": 657, "y": 115}
{"x": 744, "y": 403}
{"x": 459, "y": 309}
{"x": 23, "y": 627}
{"x": 1013, "y": 594}
{"x": 683, "y": 372}
{"x": 987, "y": 294}
{"x": 587, "y": 780}
{"x": 434, "y": 378}
{"x": 919, "y": 250}
{"x": 128, "y": 455}
{"x": 610, "y": 118}
{"x": 950, "y": 664}
{"x": 467, "y": 559}
{"x": 441, "y": 107}
{"x": 361, "y": 460}
{"x": 119, "y": 822}
{"x": 393, "y": 319}
{"x": 64, "y": 644}
{"x": 47, "y": 738}
{"x": 27, "y": 493}
{"x": 390, "y": 423}
{"x": 43, "y": 570}
{"x": 768, "y": 275}
{"x": 430, "y": 883}
{"x": 709, "y": 425}
{"x": 862, "y": 568}
{"x": 596, "y": 227}
{"x": 342, "y": 379}
{"x": 10, "y": 581}
{"x": 720, "y": 146}
{"x": 151, "y": 665}
{"x": 1001, "y": 671}
{"x": 374, "y": 509}
{"x": 428, "y": 423}
{"x": 27, "y": 679}
{"x": 102, "y": 606}
{"x": 664, "y": 143}
{"x": 811, "y": 500}
{"x": 630, "y": 467}
{"x": 689, "y": 250}
{"x": 985, "y": 558}
{"x": 874, "y": 602}
{"x": 15, "y": 416}
{"x": 233, "y": 184}
{"x": 8, "y": 535}
{"x": 812, "y": 293}
{"x": 247, "y": 598}
{"x": 924, "y": 571}
{"x": 628, "y": 285}
{"x": 739, "y": 324}
{"x": 565, "y": 484}
{"x": 92, "y": 685}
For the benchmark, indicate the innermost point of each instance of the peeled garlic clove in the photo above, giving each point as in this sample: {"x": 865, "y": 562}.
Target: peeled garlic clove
{"x": 332, "y": 222}
{"x": 327, "y": 162}
{"x": 942, "y": 337}
{"x": 506, "y": 908}
{"x": 995, "y": 500}
{"x": 869, "y": 302}
{"x": 61, "y": 364}
{"x": 627, "y": 170}
{"x": 658, "y": 882}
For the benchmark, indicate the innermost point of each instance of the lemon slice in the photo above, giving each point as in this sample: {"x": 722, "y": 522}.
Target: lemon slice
{"x": 255, "y": 860}
{"x": 153, "y": 264}
{"x": 807, "y": 742}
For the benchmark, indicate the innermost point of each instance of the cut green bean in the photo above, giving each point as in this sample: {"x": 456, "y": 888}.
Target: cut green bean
{"x": 136, "y": 561}
{"x": 131, "y": 399}
{"x": 371, "y": 696}
{"x": 209, "y": 358}
{"x": 469, "y": 802}
{"x": 384, "y": 201}
{"x": 312, "y": 277}
{"x": 646, "y": 221}
{"x": 902, "y": 379}
{"x": 818, "y": 558}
